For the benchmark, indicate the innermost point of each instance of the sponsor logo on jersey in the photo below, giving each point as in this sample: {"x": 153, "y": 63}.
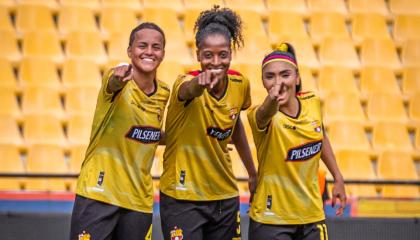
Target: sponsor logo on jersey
{"x": 101, "y": 178}
{"x": 176, "y": 234}
{"x": 304, "y": 152}
{"x": 144, "y": 134}
{"x": 219, "y": 133}
{"x": 287, "y": 126}
{"x": 84, "y": 236}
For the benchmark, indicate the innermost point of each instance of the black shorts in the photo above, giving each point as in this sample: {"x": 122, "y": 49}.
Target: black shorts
{"x": 104, "y": 221}
{"x": 199, "y": 220}
{"x": 311, "y": 231}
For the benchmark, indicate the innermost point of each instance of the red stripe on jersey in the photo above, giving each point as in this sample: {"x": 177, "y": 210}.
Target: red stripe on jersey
{"x": 194, "y": 73}
{"x": 233, "y": 72}
{"x": 302, "y": 93}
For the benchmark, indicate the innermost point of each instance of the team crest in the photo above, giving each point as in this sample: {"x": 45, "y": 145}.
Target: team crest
{"x": 177, "y": 234}
{"x": 84, "y": 236}
{"x": 233, "y": 113}
{"x": 317, "y": 126}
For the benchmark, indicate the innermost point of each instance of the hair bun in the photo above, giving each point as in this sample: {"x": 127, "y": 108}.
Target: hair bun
{"x": 282, "y": 47}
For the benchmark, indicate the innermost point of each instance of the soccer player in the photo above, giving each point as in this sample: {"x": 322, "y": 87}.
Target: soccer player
{"x": 114, "y": 195}
{"x": 199, "y": 196}
{"x": 290, "y": 141}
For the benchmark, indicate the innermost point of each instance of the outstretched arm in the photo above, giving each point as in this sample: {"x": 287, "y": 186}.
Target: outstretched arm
{"x": 195, "y": 87}
{"x": 120, "y": 77}
{"x": 269, "y": 107}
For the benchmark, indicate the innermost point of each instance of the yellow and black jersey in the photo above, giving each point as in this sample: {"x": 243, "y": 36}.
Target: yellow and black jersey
{"x": 289, "y": 150}
{"x": 196, "y": 163}
{"x": 125, "y": 133}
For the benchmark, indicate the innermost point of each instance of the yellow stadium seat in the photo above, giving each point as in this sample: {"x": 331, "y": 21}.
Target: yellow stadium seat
{"x": 404, "y": 6}
{"x": 411, "y": 53}
{"x": 307, "y": 80}
{"x": 39, "y": 100}
{"x": 48, "y": 3}
{"x": 76, "y": 18}
{"x": 285, "y": 25}
{"x": 326, "y": 25}
{"x": 118, "y": 20}
{"x": 36, "y": 72}
{"x": 77, "y": 155}
{"x": 406, "y": 27}
{"x": 178, "y": 51}
{"x": 81, "y": 100}
{"x": 43, "y": 129}
{"x": 47, "y": 185}
{"x": 86, "y": 45}
{"x": 414, "y": 109}
{"x": 338, "y": 52}
{"x": 252, "y": 24}
{"x": 174, "y": 4}
{"x": 34, "y": 18}
{"x": 397, "y": 165}
{"x": 8, "y": 45}
{"x": 297, "y": 6}
{"x": 202, "y": 5}
{"x": 117, "y": 46}
{"x": 9, "y": 104}
{"x": 254, "y": 50}
{"x": 356, "y": 164}
{"x": 305, "y": 52}
{"x": 93, "y": 4}
{"x": 10, "y": 163}
{"x": 255, "y": 5}
{"x": 378, "y": 79}
{"x": 368, "y": 6}
{"x": 168, "y": 71}
{"x": 343, "y": 106}
{"x": 379, "y": 52}
{"x": 166, "y": 19}
{"x": 369, "y": 25}
{"x": 7, "y": 76}
{"x": 79, "y": 127}
{"x": 81, "y": 73}
{"x": 348, "y": 135}
{"x": 134, "y": 4}
{"x": 417, "y": 140}
{"x": 411, "y": 80}
{"x": 5, "y": 21}
{"x": 386, "y": 107}
{"x": 336, "y": 79}
{"x": 190, "y": 17}
{"x": 391, "y": 136}
{"x": 337, "y": 6}
{"x": 7, "y": 4}
{"x": 9, "y": 131}
{"x": 42, "y": 44}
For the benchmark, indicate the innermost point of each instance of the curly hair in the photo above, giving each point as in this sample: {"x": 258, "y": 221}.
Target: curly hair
{"x": 222, "y": 21}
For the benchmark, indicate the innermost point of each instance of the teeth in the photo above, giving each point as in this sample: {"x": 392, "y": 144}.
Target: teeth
{"x": 147, "y": 59}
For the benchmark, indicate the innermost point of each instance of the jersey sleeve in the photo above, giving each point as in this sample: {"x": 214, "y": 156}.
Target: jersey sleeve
{"x": 247, "y": 94}
{"x": 103, "y": 94}
{"x": 179, "y": 81}
{"x": 252, "y": 119}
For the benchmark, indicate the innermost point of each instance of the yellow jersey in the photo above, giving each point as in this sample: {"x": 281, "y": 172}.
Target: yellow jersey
{"x": 125, "y": 134}
{"x": 196, "y": 163}
{"x": 289, "y": 150}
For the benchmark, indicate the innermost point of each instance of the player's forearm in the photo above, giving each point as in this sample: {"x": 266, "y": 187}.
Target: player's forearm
{"x": 190, "y": 89}
{"x": 266, "y": 111}
{"x": 328, "y": 158}
{"x": 114, "y": 85}
{"x": 241, "y": 143}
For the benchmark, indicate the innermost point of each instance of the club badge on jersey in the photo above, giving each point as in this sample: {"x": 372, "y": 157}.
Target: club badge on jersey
{"x": 176, "y": 234}
{"x": 84, "y": 236}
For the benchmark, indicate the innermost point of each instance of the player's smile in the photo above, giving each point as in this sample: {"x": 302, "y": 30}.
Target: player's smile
{"x": 215, "y": 54}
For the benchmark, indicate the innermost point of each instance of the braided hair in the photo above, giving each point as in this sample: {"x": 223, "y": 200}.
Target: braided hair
{"x": 219, "y": 21}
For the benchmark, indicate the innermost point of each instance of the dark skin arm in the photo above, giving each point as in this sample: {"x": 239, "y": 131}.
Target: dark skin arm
{"x": 120, "y": 77}
{"x": 195, "y": 87}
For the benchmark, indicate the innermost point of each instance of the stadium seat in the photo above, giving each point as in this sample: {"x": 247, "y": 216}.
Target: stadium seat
{"x": 307, "y": 80}
{"x": 34, "y": 18}
{"x": 252, "y": 24}
{"x": 414, "y": 109}
{"x": 117, "y": 46}
{"x": 411, "y": 80}
{"x": 7, "y": 4}
{"x": 369, "y": 25}
{"x": 254, "y": 50}
{"x": 8, "y": 104}
{"x": 81, "y": 73}
{"x": 327, "y": 25}
{"x": 338, "y": 52}
{"x": 337, "y": 6}
{"x": 166, "y": 19}
{"x": 305, "y": 52}
{"x": 347, "y": 134}
{"x": 168, "y": 71}
{"x": 9, "y": 130}
{"x": 9, "y": 46}
{"x": 336, "y": 79}
{"x": 411, "y": 53}
{"x": 76, "y": 18}
{"x": 297, "y": 6}
{"x": 78, "y": 129}
{"x": 378, "y": 79}
{"x": 190, "y": 16}
{"x": 43, "y": 129}
{"x": 5, "y": 20}
{"x": 397, "y": 165}
{"x": 391, "y": 136}
{"x": 202, "y": 5}
{"x": 41, "y": 100}
{"x": 86, "y": 45}
{"x": 255, "y": 5}
{"x": 285, "y": 25}
{"x": 368, "y": 6}
{"x": 417, "y": 140}
{"x": 42, "y": 44}
{"x": 52, "y": 4}
{"x": 81, "y": 100}
{"x": 36, "y": 72}
{"x": 77, "y": 155}
{"x": 134, "y": 4}
{"x": 173, "y": 5}
{"x": 380, "y": 52}
{"x": 179, "y": 51}
{"x": 356, "y": 165}
{"x": 10, "y": 163}
{"x": 92, "y": 4}
{"x": 343, "y": 106}
{"x": 117, "y": 20}
{"x": 406, "y": 27}
{"x": 404, "y": 6}
{"x": 380, "y": 107}
{"x": 7, "y": 77}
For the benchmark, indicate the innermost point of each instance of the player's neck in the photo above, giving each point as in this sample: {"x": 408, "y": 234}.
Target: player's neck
{"x": 145, "y": 81}
{"x": 220, "y": 88}
{"x": 291, "y": 108}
